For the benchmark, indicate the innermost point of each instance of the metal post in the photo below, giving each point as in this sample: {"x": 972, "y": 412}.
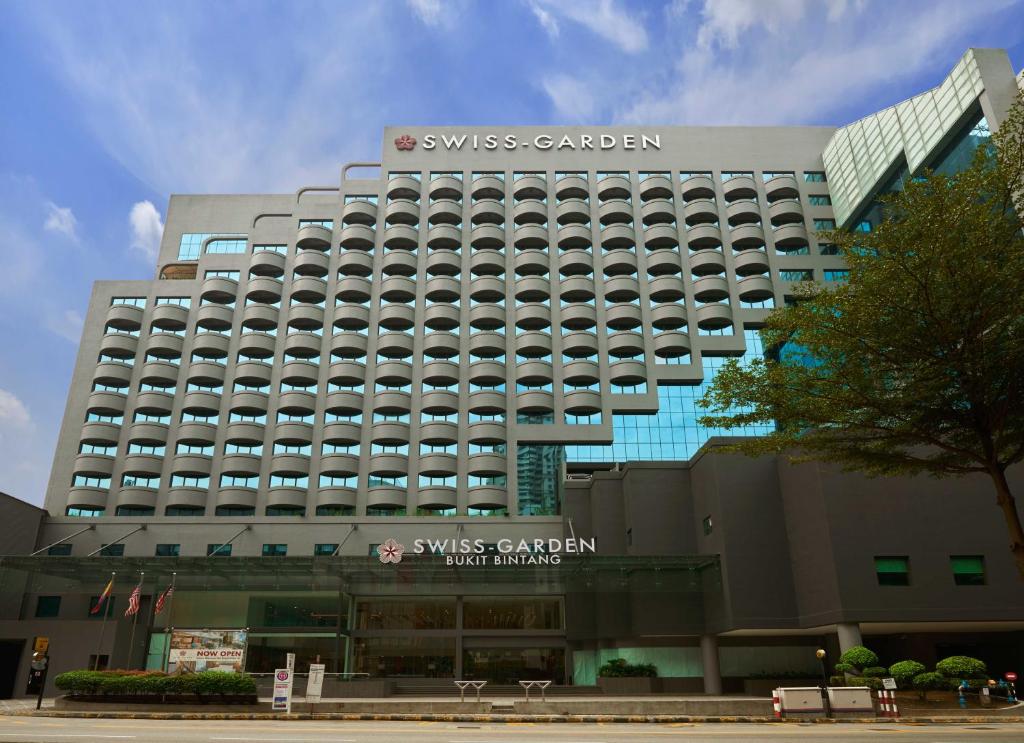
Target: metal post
{"x": 103, "y": 625}
{"x": 90, "y": 527}
{"x": 116, "y": 541}
{"x": 170, "y": 623}
{"x": 135, "y": 622}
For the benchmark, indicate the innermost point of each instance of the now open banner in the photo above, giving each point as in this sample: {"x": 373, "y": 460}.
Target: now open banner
{"x": 207, "y": 650}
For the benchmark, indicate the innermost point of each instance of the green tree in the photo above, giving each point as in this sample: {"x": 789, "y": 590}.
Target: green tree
{"x": 916, "y": 363}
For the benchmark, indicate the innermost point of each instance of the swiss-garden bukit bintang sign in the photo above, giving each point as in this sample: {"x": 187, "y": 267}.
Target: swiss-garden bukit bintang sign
{"x": 502, "y": 552}
{"x": 538, "y": 142}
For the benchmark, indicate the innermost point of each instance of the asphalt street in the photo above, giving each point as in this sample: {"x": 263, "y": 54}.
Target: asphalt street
{"x": 52, "y": 730}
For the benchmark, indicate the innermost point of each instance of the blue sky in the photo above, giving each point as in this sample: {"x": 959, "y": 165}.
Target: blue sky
{"x": 109, "y": 107}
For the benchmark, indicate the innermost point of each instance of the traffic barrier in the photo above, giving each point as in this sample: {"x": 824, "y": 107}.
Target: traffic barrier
{"x": 777, "y": 704}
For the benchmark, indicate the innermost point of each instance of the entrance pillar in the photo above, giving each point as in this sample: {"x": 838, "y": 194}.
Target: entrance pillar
{"x": 849, "y": 635}
{"x": 458, "y": 669}
{"x": 709, "y": 660}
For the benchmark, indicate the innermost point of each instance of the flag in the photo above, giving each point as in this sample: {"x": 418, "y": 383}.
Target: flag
{"x": 163, "y": 599}
{"x": 103, "y": 597}
{"x": 133, "y": 601}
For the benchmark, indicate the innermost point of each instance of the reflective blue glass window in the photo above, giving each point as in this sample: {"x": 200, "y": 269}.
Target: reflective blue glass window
{"x": 192, "y": 242}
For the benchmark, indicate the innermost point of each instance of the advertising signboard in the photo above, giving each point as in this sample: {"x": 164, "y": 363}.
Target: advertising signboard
{"x": 316, "y": 682}
{"x": 207, "y": 650}
{"x": 282, "y": 700}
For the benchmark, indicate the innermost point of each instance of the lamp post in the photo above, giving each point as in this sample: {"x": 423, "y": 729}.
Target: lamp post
{"x": 821, "y": 655}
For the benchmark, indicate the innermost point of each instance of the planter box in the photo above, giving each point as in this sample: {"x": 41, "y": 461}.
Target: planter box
{"x": 629, "y": 685}
{"x": 216, "y": 700}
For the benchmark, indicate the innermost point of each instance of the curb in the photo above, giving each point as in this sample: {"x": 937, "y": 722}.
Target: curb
{"x": 502, "y": 718}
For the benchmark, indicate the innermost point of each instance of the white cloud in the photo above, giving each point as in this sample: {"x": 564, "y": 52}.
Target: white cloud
{"x": 147, "y": 229}
{"x": 67, "y": 324}
{"x": 13, "y": 412}
{"x": 61, "y": 220}
{"x": 547, "y": 20}
{"x": 429, "y": 11}
{"x": 572, "y": 98}
{"x": 603, "y": 17}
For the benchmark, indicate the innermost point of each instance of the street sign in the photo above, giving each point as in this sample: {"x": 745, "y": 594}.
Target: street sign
{"x": 282, "y": 699}
{"x": 1010, "y": 676}
{"x": 290, "y": 661}
{"x": 41, "y": 645}
{"x": 889, "y": 684}
{"x": 315, "y": 684}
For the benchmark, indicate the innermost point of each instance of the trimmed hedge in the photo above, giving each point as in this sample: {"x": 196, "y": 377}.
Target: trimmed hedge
{"x": 619, "y": 668}
{"x": 859, "y": 656}
{"x": 99, "y": 683}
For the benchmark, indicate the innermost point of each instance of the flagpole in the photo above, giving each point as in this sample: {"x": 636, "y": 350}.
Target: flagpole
{"x": 103, "y": 625}
{"x": 169, "y": 626}
{"x": 135, "y": 621}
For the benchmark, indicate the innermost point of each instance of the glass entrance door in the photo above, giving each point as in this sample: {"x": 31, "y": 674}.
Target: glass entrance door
{"x": 512, "y": 665}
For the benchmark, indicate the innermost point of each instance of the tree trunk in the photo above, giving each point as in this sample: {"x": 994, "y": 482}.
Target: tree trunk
{"x": 1006, "y": 502}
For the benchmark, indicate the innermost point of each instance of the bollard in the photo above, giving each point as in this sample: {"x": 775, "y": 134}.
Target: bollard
{"x": 777, "y": 704}
{"x": 895, "y": 710}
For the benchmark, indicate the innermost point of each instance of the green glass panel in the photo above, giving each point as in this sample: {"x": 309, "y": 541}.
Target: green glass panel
{"x": 968, "y": 565}
{"x": 891, "y": 564}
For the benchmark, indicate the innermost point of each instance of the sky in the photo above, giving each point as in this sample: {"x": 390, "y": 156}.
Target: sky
{"x": 109, "y": 107}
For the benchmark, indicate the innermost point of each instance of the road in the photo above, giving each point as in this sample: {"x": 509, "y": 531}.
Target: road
{"x": 54, "y": 730}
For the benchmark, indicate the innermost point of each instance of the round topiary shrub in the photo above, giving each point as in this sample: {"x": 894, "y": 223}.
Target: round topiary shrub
{"x": 961, "y": 667}
{"x": 930, "y": 681}
{"x": 845, "y": 668}
{"x": 904, "y": 672}
{"x": 859, "y": 656}
{"x": 875, "y": 671}
{"x": 869, "y": 681}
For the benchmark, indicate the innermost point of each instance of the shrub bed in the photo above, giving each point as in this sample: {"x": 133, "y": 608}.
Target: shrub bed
{"x": 148, "y": 684}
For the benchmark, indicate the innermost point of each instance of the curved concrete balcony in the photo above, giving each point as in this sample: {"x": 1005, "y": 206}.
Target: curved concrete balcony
{"x": 445, "y": 187}
{"x": 664, "y": 263}
{"x": 627, "y": 372}
{"x": 204, "y": 403}
{"x": 535, "y": 401}
{"x": 306, "y": 317}
{"x": 755, "y": 288}
{"x": 287, "y": 497}
{"x": 487, "y": 236}
{"x": 121, "y": 346}
{"x": 488, "y": 187}
{"x": 714, "y": 316}
{"x": 530, "y": 211}
{"x": 211, "y": 345}
{"x": 572, "y": 211}
{"x": 486, "y": 316}
{"x": 668, "y": 316}
{"x": 487, "y": 211}
{"x": 293, "y": 434}
{"x": 390, "y": 433}
{"x": 125, "y": 317}
{"x": 781, "y": 187}
{"x": 486, "y": 289}
{"x": 487, "y": 402}
{"x": 621, "y": 289}
{"x": 576, "y": 263}
{"x": 219, "y": 289}
{"x": 710, "y": 288}
{"x": 206, "y": 374}
{"x": 614, "y": 187}
{"x": 309, "y": 289}
{"x": 336, "y": 498}
{"x": 707, "y": 262}
{"x": 438, "y": 464}
{"x": 790, "y": 237}
{"x": 401, "y": 237}
{"x": 351, "y": 316}
{"x": 785, "y": 211}
{"x": 389, "y": 465}
{"x": 656, "y": 187}
{"x": 214, "y": 317}
{"x": 740, "y": 187}
{"x": 530, "y": 236}
{"x": 136, "y": 498}
{"x": 258, "y": 345}
{"x": 487, "y": 344}
{"x": 359, "y": 212}
{"x": 441, "y": 345}
{"x": 487, "y": 432}
{"x": 582, "y": 402}
{"x": 618, "y": 236}
{"x": 700, "y": 211}
{"x": 575, "y": 289}
{"x": 579, "y": 316}
{"x": 698, "y": 187}
{"x": 249, "y": 403}
{"x": 533, "y": 344}
{"x": 487, "y": 372}
{"x": 531, "y": 262}
{"x": 394, "y": 373}
{"x": 572, "y": 187}
{"x": 107, "y": 434}
{"x": 259, "y": 317}
{"x": 398, "y": 263}
{"x": 671, "y": 344}
{"x": 704, "y": 236}
{"x": 395, "y": 345}
{"x": 154, "y": 403}
{"x": 667, "y": 289}
{"x": 247, "y": 434}
{"x": 339, "y": 465}
{"x": 314, "y": 237}
{"x": 441, "y": 372}
{"x": 747, "y": 237}
{"x": 402, "y": 211}
{"x": 625, "y": 344}
{"x": 189, "y": 464}
{"x": 236, "y": 497}
{"x": 487, "y": 464}
{"x": 615, "y": 211}
{"x": 386, "y": 496}
{"x": 159, "y": 373}
{"x": 302, "y": 345}
{"x": 623, "y": 316}
{"x": 343, "y": 434}
{"x": 438, "y": 432}
{"x": 398, "y": 289}
{"x": 441, "y": 317}
{"x": 533, "y": 372}
{"x": 579, "y": 344}
{"x": 532, "y": 289}
{"x": 93, "y": 465}
{"x": 290, "y": 465}
{"x": 743, "y": 211}
{"x": 403, "y": 187}
{"x": 186, "y": 497}
{"x": 751, "y": 262}
{"x": 443, "y": 289}
{"x": 355, "y": 263}
{"x": 344, "y": 402}
{"x": 113, "y": 374}
{"x": 396, "y": 317}
{"x": 581, "y": 372}
{"x": 658, "y": 211}
{"x": 87, "y": 497}
{"x": 529, "y": 187}
{"x": 439, "y": 401}
{"x": 164, "y": 345}
{"x": 296, "y": 403}
{"x": 436, "y": 497}
{"x": 575, "y": 236}
{"x": 444, "y": 262}
{"x": 169, "y": 317}
{"x": 300, "y": 373}
{"x": 357, "y": 237}
{"x": 487, "y": 496}
{"x": 311, "y": 263}
{"x": 202, "y": 434}
{"x": 620, "y": 262}
{"x": 533, "y": 316}
{"x": 444, "y": 237}
{"x": 487, "y": 262}
{"x": 241, "y": 465}
{"x": 661, "y": 236}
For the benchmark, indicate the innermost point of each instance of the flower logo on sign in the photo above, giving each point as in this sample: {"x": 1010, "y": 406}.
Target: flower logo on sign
{"x": 391, "y": 551}
{"x": 405, "y": 142}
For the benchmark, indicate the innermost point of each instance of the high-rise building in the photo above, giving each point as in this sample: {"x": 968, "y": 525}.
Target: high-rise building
{"x": 494, "y": 339}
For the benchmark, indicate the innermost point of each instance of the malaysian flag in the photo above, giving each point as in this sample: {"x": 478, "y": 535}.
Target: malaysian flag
{"x": 162, "y": 599}
{"x": 133, "y": 601}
